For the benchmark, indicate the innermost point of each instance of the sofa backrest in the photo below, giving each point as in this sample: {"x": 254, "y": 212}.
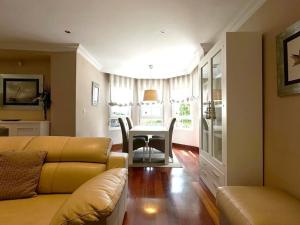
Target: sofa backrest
{"x": 70, "y": 161}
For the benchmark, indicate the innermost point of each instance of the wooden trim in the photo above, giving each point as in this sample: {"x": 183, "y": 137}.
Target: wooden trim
{"x": 209, "y": 203}
{"x": 116, "y": 147}
{"x": 186, "y": 147}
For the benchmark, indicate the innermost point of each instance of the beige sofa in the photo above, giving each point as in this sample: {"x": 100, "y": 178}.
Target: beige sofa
{"x": 81, "y": 182}
{"x": 242, "y": 205}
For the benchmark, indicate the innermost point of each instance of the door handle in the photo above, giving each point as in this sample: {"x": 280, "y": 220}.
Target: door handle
{"x": 208, "y": 111}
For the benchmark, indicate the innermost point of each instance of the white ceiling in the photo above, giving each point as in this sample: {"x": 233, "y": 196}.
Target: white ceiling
{"x": 125, "y": 36}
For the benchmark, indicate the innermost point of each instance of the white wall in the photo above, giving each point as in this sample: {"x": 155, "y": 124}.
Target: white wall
{"x": 91, "y": 120}
{"x": 115, "y": 135}
{"x": 63, "y": 93}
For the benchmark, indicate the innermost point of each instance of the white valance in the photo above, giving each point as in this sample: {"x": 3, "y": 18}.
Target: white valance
{"x": 144, "y": 84}
{"x": 184, "y": 88}
{"x": 121, "y": 90}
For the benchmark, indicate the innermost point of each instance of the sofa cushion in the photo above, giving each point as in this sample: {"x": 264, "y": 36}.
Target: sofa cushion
{"x": 62, "y": 149}
{"x": 72, "y": 149}
{"x": 257, "y": 206}
{"x": 66, "y": 177}
{"x": 31, "y": 211}
{"x": 14, "y": 143}
{"x": 94, "y": 200}
{"x": 19, "y": 173}
{"x": 117, "y": 160}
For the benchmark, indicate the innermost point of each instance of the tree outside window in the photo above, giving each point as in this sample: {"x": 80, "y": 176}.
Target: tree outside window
{"x": 182, "y": 112}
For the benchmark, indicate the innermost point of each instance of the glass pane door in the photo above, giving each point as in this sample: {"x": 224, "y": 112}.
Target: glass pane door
{"x": 217, "y": 106}
{"x": 205, "y": 121}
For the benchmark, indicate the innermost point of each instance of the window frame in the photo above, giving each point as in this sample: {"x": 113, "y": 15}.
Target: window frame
{"x": 152, "y": 117}
{"x": 178, "y": 117}
{"x": 110, "y": 117}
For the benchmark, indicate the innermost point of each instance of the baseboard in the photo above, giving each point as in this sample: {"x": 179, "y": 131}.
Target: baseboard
{"x": 186, "y": 147}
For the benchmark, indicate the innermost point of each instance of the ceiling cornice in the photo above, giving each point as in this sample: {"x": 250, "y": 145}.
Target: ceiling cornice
{"x": 47, "y": 47}
{"x": 240, "y": 19}
{"x": 89, "y": 57}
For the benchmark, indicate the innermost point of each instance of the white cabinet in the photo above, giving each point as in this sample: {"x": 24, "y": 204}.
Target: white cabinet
{"x": 231, "y": 144}
{"x": 26, "y": 128}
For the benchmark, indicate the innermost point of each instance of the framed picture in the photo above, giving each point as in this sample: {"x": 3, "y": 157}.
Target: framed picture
{"x": 288, "y": 61}
{"x": 20, "y": 91}
{"x": 95, "y": 93}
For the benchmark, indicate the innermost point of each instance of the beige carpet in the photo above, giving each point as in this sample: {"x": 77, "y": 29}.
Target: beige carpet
{"x": 157, "y": 159}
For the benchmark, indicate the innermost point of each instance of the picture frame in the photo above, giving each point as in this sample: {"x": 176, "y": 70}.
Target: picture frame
{"x": 288, "y": 61}
{"x": 20, "y": 91}
{"x": 95, "y": 93}
{"x": 28, "y": 86}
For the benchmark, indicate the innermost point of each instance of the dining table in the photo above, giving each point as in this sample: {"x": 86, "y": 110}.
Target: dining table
{"x": 148, "y": 130}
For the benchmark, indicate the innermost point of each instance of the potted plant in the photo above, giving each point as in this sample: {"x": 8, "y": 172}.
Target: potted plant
{"x": 45, "y": 99}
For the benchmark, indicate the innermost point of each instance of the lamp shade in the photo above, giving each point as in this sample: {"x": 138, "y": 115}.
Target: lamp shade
{"x": 150, "y": 95}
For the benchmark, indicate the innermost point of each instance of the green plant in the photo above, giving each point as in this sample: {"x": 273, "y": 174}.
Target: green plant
{"x": 184, "y": 109}
{"x": 45, "y": 99}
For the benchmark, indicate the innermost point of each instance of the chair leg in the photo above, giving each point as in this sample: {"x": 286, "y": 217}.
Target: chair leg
{"x": 150, "y": 150}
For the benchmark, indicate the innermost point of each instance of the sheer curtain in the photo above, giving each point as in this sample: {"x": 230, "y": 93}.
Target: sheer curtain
{"x": 196, "y": 83}
{"x": 121, "y": 90}
{"x": 184, "y": 88}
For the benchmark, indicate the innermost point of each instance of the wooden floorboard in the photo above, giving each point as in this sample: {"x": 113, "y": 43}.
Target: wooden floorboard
{"x": 170, "y": 196}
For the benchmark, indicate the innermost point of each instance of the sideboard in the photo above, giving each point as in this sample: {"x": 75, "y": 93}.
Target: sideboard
{"x": 26, "y": 128}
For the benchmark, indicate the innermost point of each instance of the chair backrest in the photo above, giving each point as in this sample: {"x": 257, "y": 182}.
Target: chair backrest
{"x": 125, "y": 144}
{"x": 129, "y": 123}
{"x": 70, "y": 161}
{"x": 171, "y": 128}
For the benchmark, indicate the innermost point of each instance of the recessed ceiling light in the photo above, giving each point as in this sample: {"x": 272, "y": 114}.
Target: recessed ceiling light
{"x": 67, "y": 31}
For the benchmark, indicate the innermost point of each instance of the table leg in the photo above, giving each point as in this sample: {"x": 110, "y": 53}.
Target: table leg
{"x": 166, "y": 148}
{"x": 130, "y": 150}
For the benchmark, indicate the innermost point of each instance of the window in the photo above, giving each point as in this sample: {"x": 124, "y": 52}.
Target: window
{"x": 115, "y": 113}
{"x": 121, "y": 98}
{"x": 151, "y": 115}
{"x": 182, "y": 112}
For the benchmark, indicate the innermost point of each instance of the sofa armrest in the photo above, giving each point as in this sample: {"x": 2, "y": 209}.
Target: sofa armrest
{"x": 257, "y": 205}
{"x": 117, "y": 160}
{"x": 94, "y": 200}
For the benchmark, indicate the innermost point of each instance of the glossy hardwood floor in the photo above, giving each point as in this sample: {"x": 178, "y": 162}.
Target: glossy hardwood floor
{"x": 170, "y": 196}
